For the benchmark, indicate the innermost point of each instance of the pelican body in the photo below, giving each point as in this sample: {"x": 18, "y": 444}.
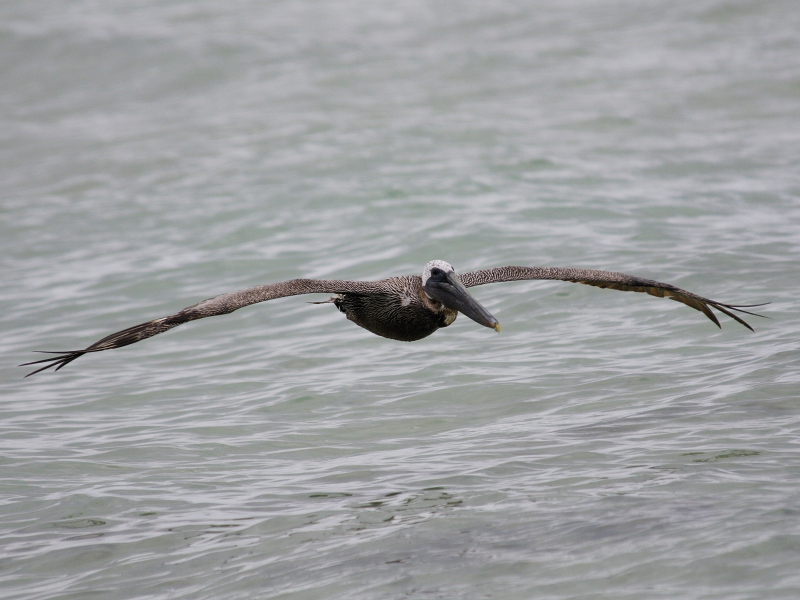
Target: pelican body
{"x": 406, "y": 315}
{"x": 405, "y": 308}
{"x": 412, "y": 308}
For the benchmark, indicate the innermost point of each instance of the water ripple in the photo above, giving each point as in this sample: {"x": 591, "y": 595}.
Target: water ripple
{"x": 602, "y": 444}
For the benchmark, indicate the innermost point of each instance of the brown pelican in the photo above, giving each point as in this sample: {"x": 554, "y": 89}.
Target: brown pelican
{"x": 406, "y": 308}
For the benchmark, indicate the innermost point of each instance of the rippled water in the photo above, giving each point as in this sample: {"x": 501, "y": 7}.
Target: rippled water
{"x": 604, "y": 445}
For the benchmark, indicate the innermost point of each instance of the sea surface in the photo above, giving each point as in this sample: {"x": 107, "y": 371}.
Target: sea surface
{"x": 603, "y": 445}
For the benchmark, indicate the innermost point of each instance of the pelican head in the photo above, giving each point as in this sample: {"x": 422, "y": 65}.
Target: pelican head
{"x": 440, "y": 282}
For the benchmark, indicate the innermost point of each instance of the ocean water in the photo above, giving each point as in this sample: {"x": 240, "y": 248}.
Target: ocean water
{"x": 603, "y": 445}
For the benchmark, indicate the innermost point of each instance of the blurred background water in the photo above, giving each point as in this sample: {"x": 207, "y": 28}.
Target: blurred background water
{"x": 604, "y": 445}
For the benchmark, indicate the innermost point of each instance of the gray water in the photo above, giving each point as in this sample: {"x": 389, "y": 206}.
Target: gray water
{"x": 604, "y": 445}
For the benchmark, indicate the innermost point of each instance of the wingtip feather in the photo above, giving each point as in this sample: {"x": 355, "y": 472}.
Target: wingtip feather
{"x": 58, "y": 362}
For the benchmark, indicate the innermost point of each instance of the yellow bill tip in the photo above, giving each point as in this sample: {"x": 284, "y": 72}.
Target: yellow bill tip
{"x": 497, "y": 328}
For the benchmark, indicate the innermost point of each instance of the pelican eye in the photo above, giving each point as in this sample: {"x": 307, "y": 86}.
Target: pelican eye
{"x": 436, "y": 271}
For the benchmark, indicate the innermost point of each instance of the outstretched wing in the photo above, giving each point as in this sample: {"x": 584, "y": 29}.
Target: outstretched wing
{"x": 219, "y": 305}
{"x": 610, "y": 280}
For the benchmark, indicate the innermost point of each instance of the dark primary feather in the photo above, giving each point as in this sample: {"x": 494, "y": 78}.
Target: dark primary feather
{"x": 611, "y": 280}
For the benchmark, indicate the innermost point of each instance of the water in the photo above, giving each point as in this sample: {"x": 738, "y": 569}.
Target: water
{"x": 604, "y": 445}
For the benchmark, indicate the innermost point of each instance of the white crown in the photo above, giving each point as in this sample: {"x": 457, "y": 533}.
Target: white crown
{"x": 436, "y": 264}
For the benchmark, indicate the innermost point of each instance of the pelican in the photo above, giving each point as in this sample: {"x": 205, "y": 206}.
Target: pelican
{"x": 406, "y": 308}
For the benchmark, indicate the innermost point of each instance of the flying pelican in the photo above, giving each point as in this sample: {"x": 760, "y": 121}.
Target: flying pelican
{"x": 406, "y": 308}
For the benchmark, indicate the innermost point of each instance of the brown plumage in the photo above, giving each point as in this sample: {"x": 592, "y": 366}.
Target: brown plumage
{"x": 406, "y": 308}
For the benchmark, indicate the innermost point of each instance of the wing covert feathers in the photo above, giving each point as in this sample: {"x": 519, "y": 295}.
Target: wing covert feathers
{"x": 219, "y": 305}
{"x": 609, "y": 280}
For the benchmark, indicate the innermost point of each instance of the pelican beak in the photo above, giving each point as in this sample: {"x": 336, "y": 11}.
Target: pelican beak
{"x": 451, "y": 292}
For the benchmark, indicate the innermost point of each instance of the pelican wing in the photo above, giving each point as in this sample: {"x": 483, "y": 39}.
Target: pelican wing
{"x": 610, "y": 280}
{"x": 219, "y": 305}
